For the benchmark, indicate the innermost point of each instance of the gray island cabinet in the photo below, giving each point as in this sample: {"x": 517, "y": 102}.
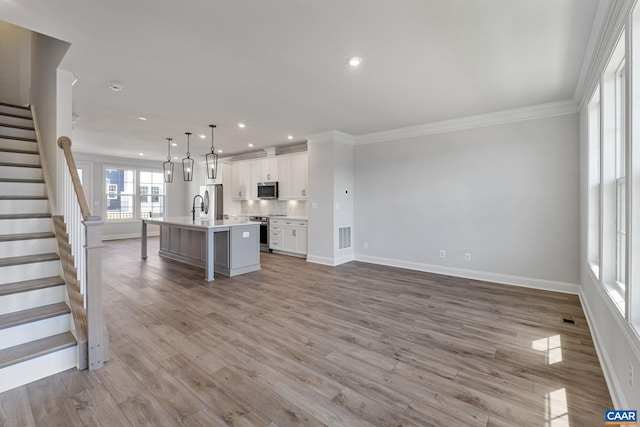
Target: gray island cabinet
{"x": 230, "y": 247}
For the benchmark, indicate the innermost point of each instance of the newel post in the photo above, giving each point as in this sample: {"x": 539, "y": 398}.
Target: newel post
{"x": 98, "y": 345}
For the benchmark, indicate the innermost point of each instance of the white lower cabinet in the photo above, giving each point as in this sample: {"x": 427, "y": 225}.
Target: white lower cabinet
{"x": 288, "y": 235}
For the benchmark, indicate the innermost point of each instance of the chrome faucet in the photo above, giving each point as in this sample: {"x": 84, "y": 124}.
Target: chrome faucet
{"x": 193, "y": 208}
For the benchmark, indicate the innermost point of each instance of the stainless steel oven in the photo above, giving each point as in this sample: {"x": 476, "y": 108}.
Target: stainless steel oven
{"x": 264, "y": 231}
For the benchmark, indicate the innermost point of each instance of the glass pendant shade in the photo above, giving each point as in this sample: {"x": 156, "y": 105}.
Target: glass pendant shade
{"x": 212, "y": 159}
{"x": 167, "y": 166}
{"x": 187, "y": 163}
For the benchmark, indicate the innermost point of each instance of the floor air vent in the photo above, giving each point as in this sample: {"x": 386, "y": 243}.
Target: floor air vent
{"x": 569, "y": 321}
{"x": 344, "y": 237}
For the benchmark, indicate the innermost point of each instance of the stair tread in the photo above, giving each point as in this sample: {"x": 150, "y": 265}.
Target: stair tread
{"x": 20, "y": 165}
{"x": 17, "y": 318}
{"x": 26, "y": 236}
{"x": 18, "y": 150}
{"x": 23, "y": 180}
{"x": 28, "y": 259}
{"x": 21, "y": 107}
{"x": 31, "y": 350}
{"x": 23, "y": 197}
{"x": 30, "y": 285}
{"x": 26, "y": 215}
{"x": 18, "y": 138}
{"x": 9, "y": 125}
{"x": 16, "y": 116}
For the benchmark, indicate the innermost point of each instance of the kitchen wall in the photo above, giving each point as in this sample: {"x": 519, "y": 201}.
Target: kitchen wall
{"x": 506, "y": 194}
{"x": 296, "y": 208}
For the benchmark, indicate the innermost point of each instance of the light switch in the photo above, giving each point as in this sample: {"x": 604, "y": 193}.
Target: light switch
{"x": 245, "y": 234}
{"x": 337, "y": 206}
{"x": 314, "y": 205}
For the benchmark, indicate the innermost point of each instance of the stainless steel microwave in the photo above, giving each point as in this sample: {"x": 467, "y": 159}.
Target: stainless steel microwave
{"x": 267, "y": 190}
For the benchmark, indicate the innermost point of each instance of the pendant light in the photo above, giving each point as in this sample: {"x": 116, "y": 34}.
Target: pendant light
{"x": 212, "y": 159}
{"x": 187, "y": 163}
{"x": 168, "y": 165}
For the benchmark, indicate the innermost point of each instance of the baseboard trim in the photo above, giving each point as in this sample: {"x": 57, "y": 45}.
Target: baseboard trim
{"x": 615, "y": 389}
{"x": 329, "y": 261}
{"x": 128, "y": 236}
{"x": 527, "y": 282}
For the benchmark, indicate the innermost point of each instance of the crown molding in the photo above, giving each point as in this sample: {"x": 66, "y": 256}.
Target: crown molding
{"x": 500, "y": 117}
{"x": 330, "y": 136}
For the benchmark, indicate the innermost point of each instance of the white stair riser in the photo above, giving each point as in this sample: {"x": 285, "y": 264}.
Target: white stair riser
{"x": 14, "y": 110}
{"x": 24, "y": 206}
{"x": 20, "y": 173}
{"x": 30, "y": 159}
{"x": 20, "y": 133}
{"x": 32, "y": 331}
{"x": 31, "y": 299}
{"x": 35, "y": 270}
{"x": 27, "y": 247}
{"x": 29, "y": 225}
{"x": 32, "y": 370}
{"x": 22, "y": 189}
{"x": 18, "y": 145}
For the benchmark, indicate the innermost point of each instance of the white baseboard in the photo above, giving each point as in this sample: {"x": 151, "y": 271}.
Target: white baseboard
{"x": 329, "y": 261}
{"x": 527, "y": 282}
{"x": 615, "y": 389}
{"x": 128, "y": 236}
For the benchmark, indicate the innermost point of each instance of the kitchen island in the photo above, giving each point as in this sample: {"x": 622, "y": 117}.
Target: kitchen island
{"x": 230, "y": 247}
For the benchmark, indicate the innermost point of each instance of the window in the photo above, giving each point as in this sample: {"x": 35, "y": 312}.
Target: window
{"x": 594, "y": 184}
{"x": 144, "y": 190}
{"x": 153, "y": 184}
{"x": 620, "y": 180}
{"x": 121, "y": 193}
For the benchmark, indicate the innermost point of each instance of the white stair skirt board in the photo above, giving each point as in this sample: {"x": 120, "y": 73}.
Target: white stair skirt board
{"x": 26, "y": 158}
{"x": 31, "y": 370}
{"x": 32, "y": 299}
{"x": 24, "y": 206}
{"x": 19, "y": 133}
{"x": 29, "y": 225}
{"x": 19, "y": 172}
{"x": 22, "y": 189}
{"x": 35, "y": 270}
{"x": 32, "y": 331}
{"x": 27, "y": 247}
{"x": 17, "y": 145}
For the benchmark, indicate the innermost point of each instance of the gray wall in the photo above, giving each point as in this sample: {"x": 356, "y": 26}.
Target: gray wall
{"x": 507, "y": 194}
{"x": 15, "y": 64}
{"x": 321, "y": 193}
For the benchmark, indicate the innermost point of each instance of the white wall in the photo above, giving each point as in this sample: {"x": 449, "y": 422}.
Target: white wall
{"x": 342, "y": 197}
{"x": 46, "y": 54}
{"x": 15, "y": 64}
{"x": 321, "y": 194}
{"x": 175, "y": 202}
{"x": 507, "y": 194}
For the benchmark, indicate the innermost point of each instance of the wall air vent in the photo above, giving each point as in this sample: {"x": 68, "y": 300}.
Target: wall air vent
{"x": 344, "y": 237}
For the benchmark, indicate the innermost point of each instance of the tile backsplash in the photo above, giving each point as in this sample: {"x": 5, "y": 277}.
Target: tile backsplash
{"x": 274, "y": 207}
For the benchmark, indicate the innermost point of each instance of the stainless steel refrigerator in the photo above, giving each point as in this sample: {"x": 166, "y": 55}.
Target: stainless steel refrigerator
{"x": 213, "y": 194}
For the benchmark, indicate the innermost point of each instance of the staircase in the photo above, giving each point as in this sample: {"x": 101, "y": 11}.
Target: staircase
{"x": 36, "y": 325}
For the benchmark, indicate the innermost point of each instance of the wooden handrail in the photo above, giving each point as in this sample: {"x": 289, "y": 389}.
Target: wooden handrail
{"x": 65, "y": 143}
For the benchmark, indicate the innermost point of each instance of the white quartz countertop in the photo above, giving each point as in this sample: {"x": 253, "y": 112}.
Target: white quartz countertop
{"x": 200, "y": 223}
{"x": 299, "y": 218}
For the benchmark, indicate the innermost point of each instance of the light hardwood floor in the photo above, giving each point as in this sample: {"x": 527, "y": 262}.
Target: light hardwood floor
{"x": 304, "y": 344}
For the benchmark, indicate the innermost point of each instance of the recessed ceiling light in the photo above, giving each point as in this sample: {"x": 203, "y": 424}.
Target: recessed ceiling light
{"x": 144, "y": 119}
{"x": 290, "y": 137}
{"x": 175, "y": 157}
{"x": 354, "y": 61}
{"x": 241, "y": 125}
{"x": 202, "y": 136}
{"x": 174, "y": 144}
{"x": 116, "y": 87}
{"x": 250, "y": 145}
{"x": 140, "y": 154}
{"x": 219, "y": 151}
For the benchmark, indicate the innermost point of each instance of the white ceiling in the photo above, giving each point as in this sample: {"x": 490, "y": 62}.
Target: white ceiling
{"x": 280, "y": 65}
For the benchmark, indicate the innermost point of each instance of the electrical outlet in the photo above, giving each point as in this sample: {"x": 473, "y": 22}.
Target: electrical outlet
{"x": 366, "y": 245}
{"x": 467, "y": 256}
{"x": 630, "y": 375}
{"x": 443, "y": 253}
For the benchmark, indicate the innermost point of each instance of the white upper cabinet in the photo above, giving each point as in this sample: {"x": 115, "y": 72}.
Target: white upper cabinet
{"x": 239, "y": 172}
{"x": 293, "y": 177}
{"x": 269, "y": 170}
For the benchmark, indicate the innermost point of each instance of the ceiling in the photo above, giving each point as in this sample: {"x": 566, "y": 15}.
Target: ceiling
{"x": 279, "y": 66}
